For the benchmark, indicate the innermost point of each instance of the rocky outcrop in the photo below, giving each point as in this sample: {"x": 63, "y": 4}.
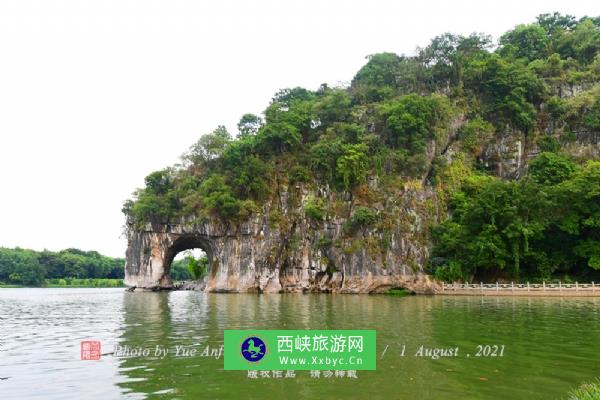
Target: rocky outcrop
{"x": 296, "y": 255}
{"x": 280, "y": 249}
{"x": 198, "y": 285}
{"x": 508, "y": 155}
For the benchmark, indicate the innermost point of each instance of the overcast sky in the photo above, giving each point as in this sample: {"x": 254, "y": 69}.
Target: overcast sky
{"x": 94, "y": 95}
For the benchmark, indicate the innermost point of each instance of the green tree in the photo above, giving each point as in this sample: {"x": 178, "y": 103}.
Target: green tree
{"x": 333, "y": 106}
{"x": 249, "y": 124}
{"x": 385, "y": 75}
{"x": 509, "y": 91}
{"x": 525, "y": 41}
{"x": 156, "y": 199}
{"x": 209, "y": 146}
{"x": 549, "y": 144}
{"x": 158, "y": 182}
{"x": 585, "y": 41}
{"x": 197, "y": 268}
{"x": 352, "y": 165}
{"x": 411, "y": 120}
{"x": 21, "y": 267}
{"x": 556, "y": 22}
{"x": 289, "y": 121}
{"x": 492, "y": 226}
{"x": 447, "y": 54}
{"x": 475, "y": 134}
{"x": 580, "y": 196}
{"x": 323, "y": 157}
{"x": 551, "y": 168}
{"x": 218, "y": 197}
{"x": 279, "y": 137}
{"x": 250, "y": 178}
{"x": 179, "y": 271}
{"x": 592, "y": 118}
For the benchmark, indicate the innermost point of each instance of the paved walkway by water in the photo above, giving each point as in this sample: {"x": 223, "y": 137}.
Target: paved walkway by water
{"x": 523, "y": 289}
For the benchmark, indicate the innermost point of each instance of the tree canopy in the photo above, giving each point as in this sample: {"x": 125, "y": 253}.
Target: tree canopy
{"x": 31, "y": 268}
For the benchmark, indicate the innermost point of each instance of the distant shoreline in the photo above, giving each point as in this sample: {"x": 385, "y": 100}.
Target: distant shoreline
{"x": 72, "y": 283}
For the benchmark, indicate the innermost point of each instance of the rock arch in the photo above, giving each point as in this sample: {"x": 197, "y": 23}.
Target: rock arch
{"x": 187, "y": 242}
{"x": 152, "y": 248}
{"x": 259, "y": 257}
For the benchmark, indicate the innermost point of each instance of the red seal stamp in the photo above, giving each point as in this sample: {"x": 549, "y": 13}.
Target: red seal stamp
{"x": 90, "y": 350}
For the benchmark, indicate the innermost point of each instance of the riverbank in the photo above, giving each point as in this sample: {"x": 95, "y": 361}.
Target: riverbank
{"x": 72, "y": 283}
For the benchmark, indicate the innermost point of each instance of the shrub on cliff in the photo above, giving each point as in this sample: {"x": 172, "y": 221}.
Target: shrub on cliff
{"x": 218, "y": 199}
{"x": 351, "y": 166}
{"x": 592, "y": 118}
{"x": 315, "y": 209}
{"x": 362, "y": 218}
{"x": 475, "y": 135}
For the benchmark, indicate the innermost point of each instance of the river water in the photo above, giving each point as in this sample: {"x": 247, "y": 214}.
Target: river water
{"x": 550, "y": 345}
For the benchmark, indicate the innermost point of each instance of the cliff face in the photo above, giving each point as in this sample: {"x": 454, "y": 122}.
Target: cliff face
{"x": 298, "y": 256}
{"x": 282, "y": 250}
{"x": 508, "y": 155}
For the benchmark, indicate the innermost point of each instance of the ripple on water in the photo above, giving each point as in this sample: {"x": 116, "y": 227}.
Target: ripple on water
{"x": 551, "y": 344}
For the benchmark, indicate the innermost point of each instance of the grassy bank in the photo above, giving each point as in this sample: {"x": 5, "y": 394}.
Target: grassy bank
{"x": 73, "y": 283}
{"x": 587, "y": 391}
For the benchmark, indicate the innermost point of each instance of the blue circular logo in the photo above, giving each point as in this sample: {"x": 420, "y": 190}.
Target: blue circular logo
{"x": 253, "y": 349}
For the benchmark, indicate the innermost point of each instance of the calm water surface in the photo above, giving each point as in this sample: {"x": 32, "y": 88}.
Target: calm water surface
{"x": 551, "y": 345}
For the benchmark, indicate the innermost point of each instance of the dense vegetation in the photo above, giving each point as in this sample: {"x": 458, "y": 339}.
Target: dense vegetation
{"x": 71, "y": 267}
{"x": 587, "y": 391}
{"x": 543, "y": 225}
{"x": 393, "y": 123}
{"x": 189, "y": 268}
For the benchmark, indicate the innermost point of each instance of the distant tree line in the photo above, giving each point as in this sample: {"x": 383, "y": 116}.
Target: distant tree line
{"x": 32, "y": 268}
{"x": 189, "y": 268}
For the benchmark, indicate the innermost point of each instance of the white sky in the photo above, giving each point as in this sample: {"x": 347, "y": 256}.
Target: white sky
{"x": 94, "y": 95}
